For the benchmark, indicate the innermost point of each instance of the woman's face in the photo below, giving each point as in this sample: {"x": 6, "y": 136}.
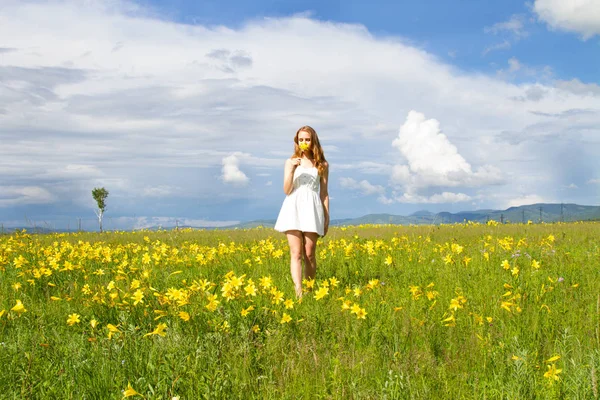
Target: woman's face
{"x": 304, "y": 139}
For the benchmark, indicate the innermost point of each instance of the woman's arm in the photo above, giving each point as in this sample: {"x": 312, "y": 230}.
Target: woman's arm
{"x": 288, "y": 175}
{"x": 325, "y": 196}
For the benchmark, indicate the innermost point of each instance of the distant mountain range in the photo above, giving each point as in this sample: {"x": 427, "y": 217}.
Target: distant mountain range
{"x": 542, "y": 212}
{"x": 545, "y": 212}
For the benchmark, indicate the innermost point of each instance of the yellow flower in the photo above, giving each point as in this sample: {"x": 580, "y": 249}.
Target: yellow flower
{"x": 535, "y": 264}
{"x": 289, "y": 304}
{"x": 184, "y": 316}
{"x": 19, "y": 307}
{"x": 159, "y": 330}
{"x": 137, "y": 297}
{"x": 246, "y": 311}
{"x": 112, "y": 330}
{"x": 333, "y": 282}
{"x": 372, "y": 284}
{"x": 515, "y": 271}
{"x": 346, "y": 305}
{"x": 450, "y": 321}
{"x": 361, "y": 313}
{"x": 285, "y": 319}
{"x": 505, "y": 264}
{"x": 552, "y": 373}
{"x": 2, "y": 313}
{"x": 355, "y": 309}
{"x": 250, "y": 289}
{"x": 16, "y": 286}
{"x": 322, "y": 292}
{"x": 93, "y": 323}
{"x": 255, "y": 329}
{"x": 129, "y": 391}
{"x": 388, "y": 260}
{"x": 303, "y": 146}
{"x": 73, "y": 319}
{"x": 553, "y": 358}
{"x": 265, "y": 282}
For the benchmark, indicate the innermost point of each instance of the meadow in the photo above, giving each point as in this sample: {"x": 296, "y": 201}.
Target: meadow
{"x": 473, "y": 311}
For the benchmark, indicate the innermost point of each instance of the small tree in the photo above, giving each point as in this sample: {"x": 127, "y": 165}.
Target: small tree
{"x": 100, "y": 195}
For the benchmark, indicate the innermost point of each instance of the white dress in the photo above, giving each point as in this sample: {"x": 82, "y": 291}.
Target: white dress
{"x": 302, "y": 209}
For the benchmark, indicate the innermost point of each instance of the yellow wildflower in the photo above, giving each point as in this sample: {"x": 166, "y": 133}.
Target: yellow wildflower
{"x": 129, "y": 391}
{"x": 552, "y": 373}
{"x": 159, "y": 330}
{"x": 289, "y": 304}
{"x": 73, "y": 319}
{"x": 322, "y": 292}
{"x": 184, "y": 315}
{"x": 19, "y": 307}
{"x": 285, "y": 319}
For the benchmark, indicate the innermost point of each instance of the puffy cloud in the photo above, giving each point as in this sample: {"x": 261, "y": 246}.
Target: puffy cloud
{"x": 147, "y": 103}
{"x": 363, "y": 186}
{"x": 581, "y": 16}
{"x": 231, "y": 172}
{"x": 433, "y": 160}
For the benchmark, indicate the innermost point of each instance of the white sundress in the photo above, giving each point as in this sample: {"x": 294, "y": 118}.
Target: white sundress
{"x": 302, "y": 209}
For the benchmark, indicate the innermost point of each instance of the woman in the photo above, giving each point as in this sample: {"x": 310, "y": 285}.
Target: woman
{"x": 304, "y": 215}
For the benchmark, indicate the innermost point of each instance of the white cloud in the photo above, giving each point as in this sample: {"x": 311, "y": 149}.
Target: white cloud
{"x": 575, "y": 86}
{"x": 580, "y": 16}
{"x": 525, "y": 200}
{"x": 515, "y": 25}
{"x": 160, "y": 191}
{"x": 20, "y": 195}
{"x": 593, "y": 182}
{"x": 231, "y": 172}
{"x": 144, "y": 102}
{"x": 363, "y": 186}
{"x": 144, "y": 222}
{"x": 504, "y": 45}
{"x": 438, "y": 198}
{"x": 433, "y": 160}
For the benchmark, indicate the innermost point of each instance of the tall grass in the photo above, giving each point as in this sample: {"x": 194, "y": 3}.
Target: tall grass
{"x": 454, "y": 311}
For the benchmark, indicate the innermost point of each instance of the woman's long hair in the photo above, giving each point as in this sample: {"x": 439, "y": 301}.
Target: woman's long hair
{"x": 315, "y": 148}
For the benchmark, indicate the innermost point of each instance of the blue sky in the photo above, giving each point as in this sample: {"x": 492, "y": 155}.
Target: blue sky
{"x": 185, "y": 110}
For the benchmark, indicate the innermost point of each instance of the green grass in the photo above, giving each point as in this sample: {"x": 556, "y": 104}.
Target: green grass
{"x": 409, "y": 346}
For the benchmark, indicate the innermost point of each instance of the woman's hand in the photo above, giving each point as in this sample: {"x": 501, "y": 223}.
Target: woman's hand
{"x": 297, "y": 161}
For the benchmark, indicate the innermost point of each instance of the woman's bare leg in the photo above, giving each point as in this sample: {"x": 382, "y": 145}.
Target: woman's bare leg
{"x": 310, "y": 257}
{"x": 295, "y": 242}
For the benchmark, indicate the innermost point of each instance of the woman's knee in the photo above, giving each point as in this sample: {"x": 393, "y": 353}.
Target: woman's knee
{"x": 309, "y": 253}
{"x": 296, "y": 254}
